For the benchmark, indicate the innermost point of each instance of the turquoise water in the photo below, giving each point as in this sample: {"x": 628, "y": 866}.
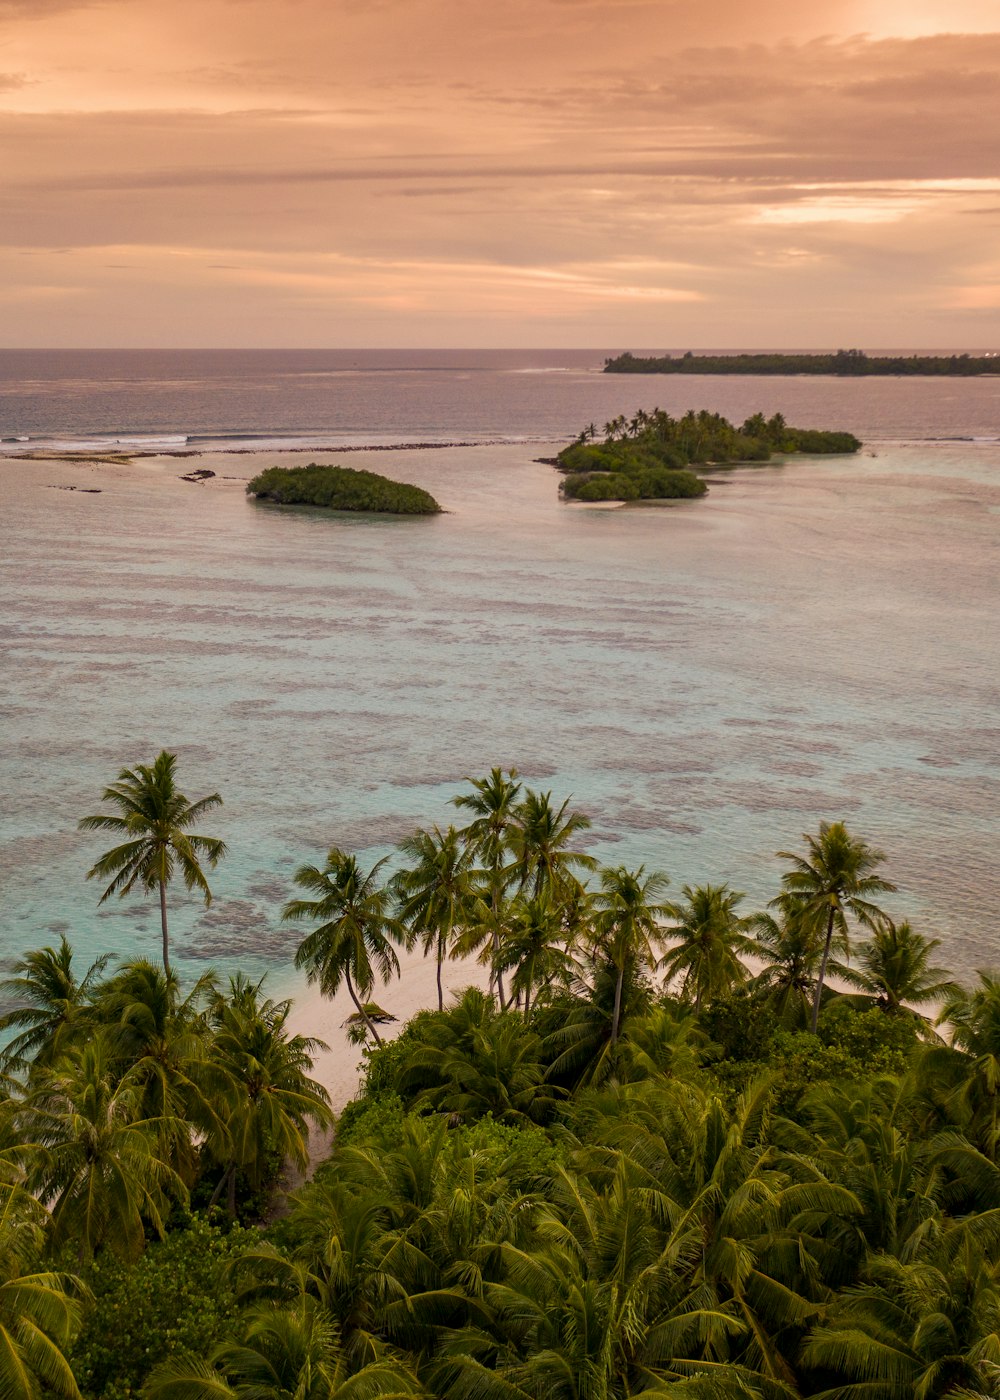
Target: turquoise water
{"x": 708, "y": 681}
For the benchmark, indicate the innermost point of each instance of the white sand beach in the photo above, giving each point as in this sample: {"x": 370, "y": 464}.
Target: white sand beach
{"x": 339, "y": 1068}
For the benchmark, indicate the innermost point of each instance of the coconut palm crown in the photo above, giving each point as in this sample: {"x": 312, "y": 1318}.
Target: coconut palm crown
{"x": 836, "y": 879}
{"x": 154, "y": 817}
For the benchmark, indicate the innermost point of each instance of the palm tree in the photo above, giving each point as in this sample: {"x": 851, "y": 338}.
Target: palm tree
{"x": 436, "y": 894}
{"x": 155, "y": 818}
{"x": 626, "y": 925}
{"x": 281, "y": 1353}
{"x": 711, "y": 937}
{"x": 267, "y": 1100}
{"x": 664, "y": 1042}
{"x": 961, "y": 1081}
{"x": 857, "y": 1134}
{"x": 533, "y": 949}
{"x": 930, "y": 1328}
{"x": 53, "y": 1002}
{"x": 578, "y": 1035}
{"x": 835, "y": 880}
{"x": 736, "y": 1233}
{"x": 789, "y": 948}
{"x": 540, "y": 836}
{"x": 39, "y": 1312}
{"x": 105, "y": 1173}
{"x": 492, "y": 803}
{"x": 163, "y": 1041}
{"x": 894, "y": 968}
{"x": 474, "y": 1061}
{"x": 355, "y": 934}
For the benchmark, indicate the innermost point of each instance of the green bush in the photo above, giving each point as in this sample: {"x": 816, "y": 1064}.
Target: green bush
{"x": 341, "y": 488}
{"x": 606, "y": 486}
{"x": 665, "y": 484}
{"x": 177, "y": 1297}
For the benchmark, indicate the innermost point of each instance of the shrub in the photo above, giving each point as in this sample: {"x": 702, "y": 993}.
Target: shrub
{"x": 341, "y": 488}
{"x": 177, "y": 1297}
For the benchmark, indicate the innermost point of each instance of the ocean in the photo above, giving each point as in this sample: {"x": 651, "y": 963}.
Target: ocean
{"x": 814, "y": 640}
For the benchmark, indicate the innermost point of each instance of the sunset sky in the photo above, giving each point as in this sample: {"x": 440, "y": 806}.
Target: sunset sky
{"x": 621, "y": 173}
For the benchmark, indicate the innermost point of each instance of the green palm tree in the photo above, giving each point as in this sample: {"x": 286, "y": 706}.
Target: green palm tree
{"x": 578, "y": 1030}
{"x": 39, "y": 1311}
{"x": 533, "y": 949}
{"x": 737, "y": 1232}
{"x": 267, "y": 1100}
{"x": 540, "y": 838}
{"x": 960, "y": 1082}
{"x": 155, "y": 819}
{"x": 835, "y": 879}
{"x": 894, "y": 968}
{"x": 492, "y": 804}
{"x": 475, "y": 1060}
{"x": 356, "y": 931}
{"x": 281, "y": 1353}
{"x": 53, "y": 1002}
{"x": 858, "y": 1134}
{"x": 664, "y": 1042}
{"x": 789, "y": 948}
{"x": 710, "y": 938}
{"x": 627, "y": 924}
{"x": 104, "y": 1174}
{"x": 436, "y": 894}
{"x": 163, "y": 1041}
{"x": 930, "y": 1329}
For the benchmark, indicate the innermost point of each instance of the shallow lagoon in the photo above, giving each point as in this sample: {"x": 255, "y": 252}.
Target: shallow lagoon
{"x": 707, "y": 680}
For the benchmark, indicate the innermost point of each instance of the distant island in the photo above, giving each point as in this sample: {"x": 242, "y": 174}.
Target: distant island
{"x": 649, "y": 456}
{"x": 341, "y": 488}
{"x": 845, "y": 363}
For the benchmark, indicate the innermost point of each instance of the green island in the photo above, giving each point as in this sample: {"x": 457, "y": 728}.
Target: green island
{"x": 843, "y": 362}
{"x": 341, "y": 488}
{"x": 649, "y": 456}
{"x": 668, "y": 1146}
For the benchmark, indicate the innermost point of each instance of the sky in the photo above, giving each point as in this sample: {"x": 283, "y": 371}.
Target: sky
{"x": 596, "y": 173}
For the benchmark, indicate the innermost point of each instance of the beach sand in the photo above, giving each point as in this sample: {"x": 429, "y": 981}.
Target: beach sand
{"x": 339, "y": 1068}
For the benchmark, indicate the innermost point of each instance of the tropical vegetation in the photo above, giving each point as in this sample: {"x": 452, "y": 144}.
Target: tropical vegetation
{"x": 667, "y": 1147}
{"x": 650, "y": 455}
{"x": 854, "y": 363}
{"x": 341, "y": 488}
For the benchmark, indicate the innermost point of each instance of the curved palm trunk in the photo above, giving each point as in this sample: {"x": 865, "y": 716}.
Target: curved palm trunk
{"x": 440, "y": 960}
{"x": 822, "y": 970}
{"x": 361, "y": 1010}
{"x": 163, "y": 925}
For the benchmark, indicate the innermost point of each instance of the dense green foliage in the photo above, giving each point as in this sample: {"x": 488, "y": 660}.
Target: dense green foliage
{"x": 675, "y": 1149}
{"x": 649, "y": 456}
{"x": 341, "y": 488}
{"x": 179, "y": 1296}
{"x": 843, "y": 362}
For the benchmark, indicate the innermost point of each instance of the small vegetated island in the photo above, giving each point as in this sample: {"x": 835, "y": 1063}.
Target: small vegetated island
{"x": 341, "y": 488}
{"x": 847, "y": 363}
{"x": 650, "y": 456}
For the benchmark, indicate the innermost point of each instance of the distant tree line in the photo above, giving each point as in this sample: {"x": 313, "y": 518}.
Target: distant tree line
{"x": 844, "y": 362}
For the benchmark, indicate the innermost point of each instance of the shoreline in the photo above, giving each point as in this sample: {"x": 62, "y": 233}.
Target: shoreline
{"x": 339, "y": 1068}
{"x": 126, "y": 457}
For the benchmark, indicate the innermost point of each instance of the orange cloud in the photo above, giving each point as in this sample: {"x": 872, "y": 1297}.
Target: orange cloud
{"x": 582, "y": 164}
